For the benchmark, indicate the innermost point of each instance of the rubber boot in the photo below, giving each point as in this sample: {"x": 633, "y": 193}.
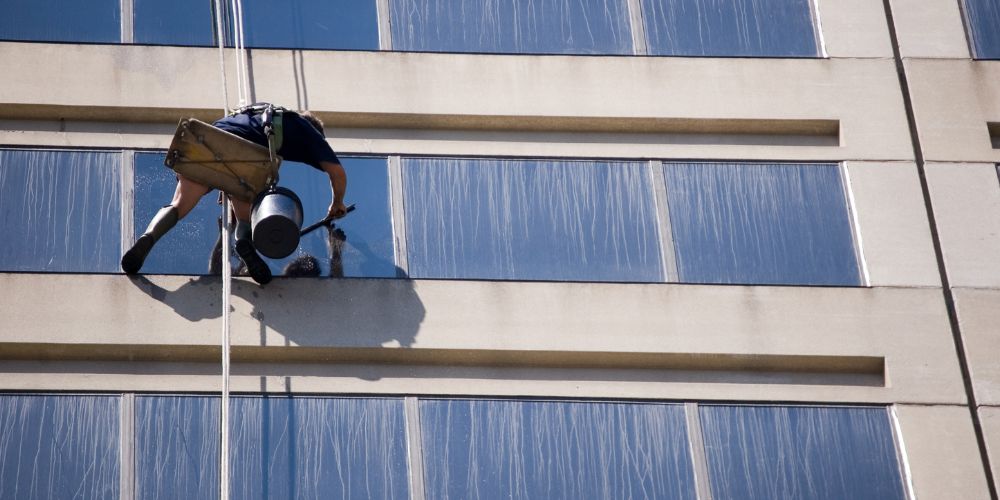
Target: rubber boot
{"x": 162, "y": 222}
{"x": 248, "y": 254}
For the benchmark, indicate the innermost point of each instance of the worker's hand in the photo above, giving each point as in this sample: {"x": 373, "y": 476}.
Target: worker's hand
{"x": 336, "y": 211}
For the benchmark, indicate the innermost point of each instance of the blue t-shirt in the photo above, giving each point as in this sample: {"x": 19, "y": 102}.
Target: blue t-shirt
{"x": 301, "y": 141}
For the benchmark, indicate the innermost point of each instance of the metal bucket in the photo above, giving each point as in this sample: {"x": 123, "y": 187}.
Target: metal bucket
{"x": 276, "y": 220}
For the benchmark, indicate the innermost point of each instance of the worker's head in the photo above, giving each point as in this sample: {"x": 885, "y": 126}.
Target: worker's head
{"x": 316, "y": 122}
{"x": 302, "y": 266}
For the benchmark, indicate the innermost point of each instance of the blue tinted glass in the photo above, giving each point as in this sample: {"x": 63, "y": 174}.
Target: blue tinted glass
{"x": 61, "y": 211}
{"x": 984, "y": 27}
{"x": 280, "y": 448}
{"x": 187, "y": 248}
{"x": 816, "y": 453}
{"x": 522, "y": 449}
{"x": 58, "y": 447}
{"x": 361, "y": 245}
{"x": 61, "y": 20}
{"x": 780, "y": 28}
{"x": 311, "y": 24}
{"x": 174, "y": 22}
{"x": 761, "y": 224}
{"x": 530, "y": 220}
{"x": 539, "y": 26}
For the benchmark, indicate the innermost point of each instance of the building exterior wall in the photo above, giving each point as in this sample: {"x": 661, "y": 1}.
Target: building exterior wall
{"x": 920, "y": 336}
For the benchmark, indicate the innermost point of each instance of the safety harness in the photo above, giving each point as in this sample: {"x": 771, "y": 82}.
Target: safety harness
{"x": 272, "y": 120}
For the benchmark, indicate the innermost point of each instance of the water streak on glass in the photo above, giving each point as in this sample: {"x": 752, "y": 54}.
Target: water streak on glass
{"x": 362, "y": 246}
{"x": 62, "y": 211}
{"x": 281, "y": 447}
{"x": 554, "y": 450}
{"x": 984, "y": 27}
{"x": 776, "y": 453}
{"x": 761, "y": 224}
{"x": 97, "y": 21}
{"x": 530, "y": 220}
{"x": 777, "y": 28}
{"x": 527, "y": 26}
{"x": 177, "y": 22}
{"x": 58, "y": 447}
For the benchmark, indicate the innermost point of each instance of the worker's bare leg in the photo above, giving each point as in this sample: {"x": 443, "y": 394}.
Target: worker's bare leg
{"x": 256, "y": 266}
{"x": 186, "y": 196}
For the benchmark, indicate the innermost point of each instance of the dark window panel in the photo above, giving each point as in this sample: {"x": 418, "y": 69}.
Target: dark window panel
{"x": 311, "y": 24}
{"x": 761, "y": 224}
{"x": 531, "y": 220}
{"x": 364, "y": 241}
{"x": 984, "y": 26}
{"x": 280, "y": 448}
{"x": 554, "y": 450}
{"x": 540, "y": 26}
{"x": 61, "y": 21}
{"x": 798, "y": 452}
{"x": 175, "y": 22}
{"x": 778, "y": 28}
{"x": 59, "y": 447}
{"x": 61, "y": 211}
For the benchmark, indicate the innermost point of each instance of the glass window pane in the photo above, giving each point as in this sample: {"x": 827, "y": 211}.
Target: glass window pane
{"x": 61, "y": 21}
{"x": 533, "y": 449}
{"x": 530, "y": 220}
{"x": 58, "y": 447}
{"x": 540, "y": 26}
{"x": 761, "y": 224}
{"x": 61, "y": 211}
{"x": 796, "y": 452}
{"x": 363, "y": 246}
{"x": 983, "y": 22}
{"x": 779, "y": 28}
{"x": 281, "y": 447}
{"x": 311, "y": 24}
{"x": 176, "y": 22}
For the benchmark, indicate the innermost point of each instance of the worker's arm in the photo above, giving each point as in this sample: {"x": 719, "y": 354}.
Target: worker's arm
{"x": 338, "y": 185}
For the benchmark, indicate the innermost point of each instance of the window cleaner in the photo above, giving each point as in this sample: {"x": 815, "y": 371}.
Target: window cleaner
{"x": 239, "y": 155}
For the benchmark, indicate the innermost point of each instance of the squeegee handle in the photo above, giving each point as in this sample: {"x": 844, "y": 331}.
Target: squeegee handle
{"x": 317, "y": 225}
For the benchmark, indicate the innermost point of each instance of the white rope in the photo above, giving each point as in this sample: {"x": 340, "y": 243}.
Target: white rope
{"x": 239, "y": 44}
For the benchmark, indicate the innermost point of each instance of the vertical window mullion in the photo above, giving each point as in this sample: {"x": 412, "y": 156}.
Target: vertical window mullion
{"x": 127, "y": 35}
{"x": 414, "y": 447}
{"x": 398, "y": 215}
{"x": 384, "y": 26}
{"x": 127, "y": 446}
{"x": 818, "y": 28}
{"x": 638, "y": 28}
{"x": 127, "y": 199}
{"x": 859, "y": 249}
{"x": 663, "y": 223}
{"x": 698, "y": 457}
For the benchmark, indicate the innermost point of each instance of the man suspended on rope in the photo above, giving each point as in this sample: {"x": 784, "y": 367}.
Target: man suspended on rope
{"x": 303, "y": 141}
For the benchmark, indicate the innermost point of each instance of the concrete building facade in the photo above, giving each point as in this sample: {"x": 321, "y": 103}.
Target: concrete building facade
{"x": 898, "y": 102}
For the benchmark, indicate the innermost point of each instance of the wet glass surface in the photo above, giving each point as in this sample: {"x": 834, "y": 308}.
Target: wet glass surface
{"x": 58, "y": 447}
{"x": 177, "y": 22}
{"x": 798, "y": 452}
{"x": 281, "y": 447}
{"x": 554, "y": 450}
{"x": 761, "y": 224}
{"x": 61, "y": 21}
{"x": 61, "y": 211}
{"x": 530, "y": 26}
{"x": 530, "y": 220}
{"x": 362, "y": 247}
{"x": 730, "y": 28}
{"x": 311, "y": 24}
{"x": 984, "y": 27}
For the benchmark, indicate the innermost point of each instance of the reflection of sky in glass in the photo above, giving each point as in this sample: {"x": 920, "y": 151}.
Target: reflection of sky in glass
{"x": 527, "y": 219}
{"x": 554, "y": 450}
{"x": 280, "y": 447}
{"x": 984, "y": 27}
{"x": 61, "y": 211}
{"x": 771, "y": 453}
{"x": 529, "y": 26}
{"x": 761, "y": 224}
{"x": 61, "y": 20}
{"x": 366, "y": 245}
{"x": 174, "y": 22}
{"x": 311, "y": 24}
{"x": 58, "y": 447}
{"x": 729, "y": 27}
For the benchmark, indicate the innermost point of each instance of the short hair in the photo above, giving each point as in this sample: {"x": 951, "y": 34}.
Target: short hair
{"x": 314, "y": 120}
{"x": 303, "y": 265}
